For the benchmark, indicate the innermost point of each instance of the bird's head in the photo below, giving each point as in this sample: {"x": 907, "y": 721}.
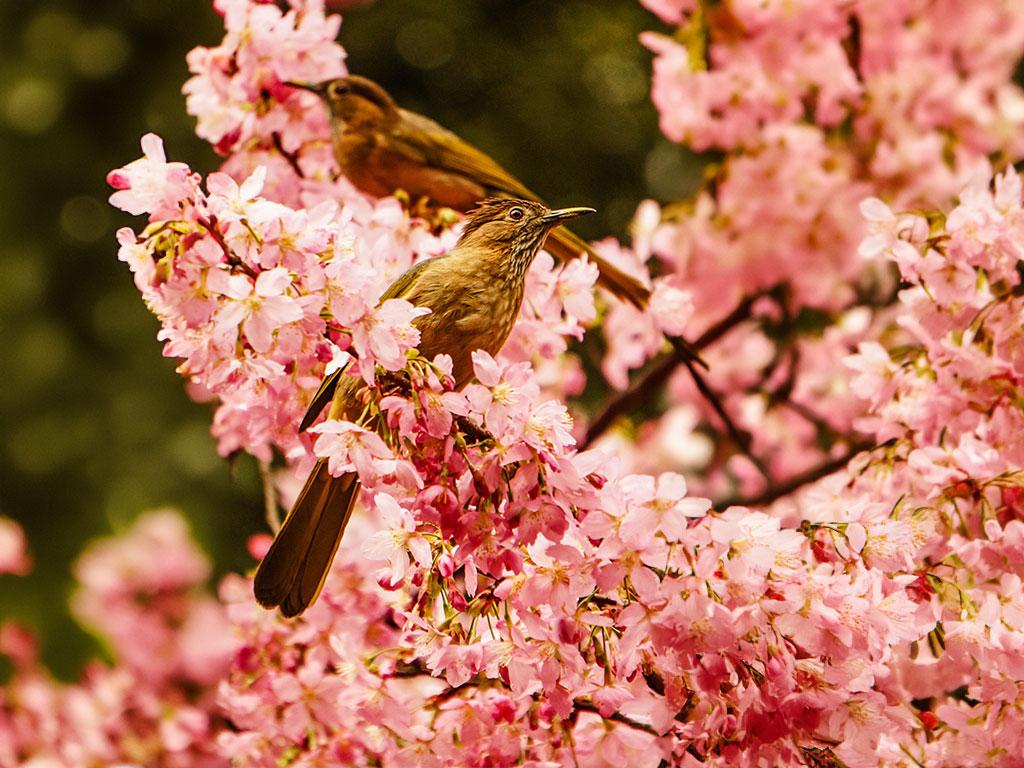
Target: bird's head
{"x": 353, "y": 100}
{"x": 516, "y": 229}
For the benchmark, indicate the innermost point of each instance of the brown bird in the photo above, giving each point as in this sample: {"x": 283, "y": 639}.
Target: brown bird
{"x": 382, "y": 148}
{"x": 474, "y": 293}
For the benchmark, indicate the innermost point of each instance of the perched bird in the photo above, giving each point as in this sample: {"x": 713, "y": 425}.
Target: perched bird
{"x": 382, "y": 148}
{"x": 474, "y": 293}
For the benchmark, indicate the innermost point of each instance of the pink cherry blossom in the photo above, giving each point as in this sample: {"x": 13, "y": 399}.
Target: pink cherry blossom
{"x": 14, "y": 556}
{"x": 261, "y": 308}
{"x": 151, "y": 184}
{"x": 809, "y": 556}
{"x": 350, "y": 448}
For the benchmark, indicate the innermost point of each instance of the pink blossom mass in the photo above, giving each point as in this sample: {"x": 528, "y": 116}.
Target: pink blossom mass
{"x": 809, "y": 554}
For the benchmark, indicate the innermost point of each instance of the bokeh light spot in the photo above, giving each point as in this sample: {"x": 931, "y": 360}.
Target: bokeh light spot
{"x": 41, "y": 353}
{"x": 49, "y": 35}
{"x": 615, "y": 79}
{"x": 22, "y": 278}
{"x": 425, "y": 43}
{"x": 191, "y": 449}
{"x": 671, "y": 172}
{"x": 84, "y": 219}
{"x": 32, "y": 104}
{"x": 118, "y": 319}
{"x": 100, "y": 51}
{"x": 48, "y": 442}
{"x": 135, "y": 417}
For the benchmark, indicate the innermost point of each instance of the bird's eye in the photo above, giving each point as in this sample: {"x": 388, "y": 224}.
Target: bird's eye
{"x": 339, "y": 89}
{"x": 516, "y": 214}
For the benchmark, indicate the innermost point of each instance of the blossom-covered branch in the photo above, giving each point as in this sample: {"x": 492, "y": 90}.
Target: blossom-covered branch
{"x": 507, "y": 596}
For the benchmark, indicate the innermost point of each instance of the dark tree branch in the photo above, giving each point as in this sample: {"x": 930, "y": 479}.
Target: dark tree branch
{"x": 585, "y": 706}
{"x": 658, "y": 371}
{"x": 417, "y": 668}
{"x": 291, "y": 157}
{"x": 778, "y": 490}
{"x": 739, "y": 436}
{"x": 211, "y": 227}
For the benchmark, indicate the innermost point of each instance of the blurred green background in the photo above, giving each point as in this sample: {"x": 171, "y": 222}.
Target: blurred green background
{"x": 96, "y": 426}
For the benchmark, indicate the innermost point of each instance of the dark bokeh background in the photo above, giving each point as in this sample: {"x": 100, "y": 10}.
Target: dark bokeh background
{"x": 96, "y": 427}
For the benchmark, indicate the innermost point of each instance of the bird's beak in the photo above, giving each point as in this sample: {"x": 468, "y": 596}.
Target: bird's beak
{"x": 562, "y": 214}
{"x": 320, "y": 89}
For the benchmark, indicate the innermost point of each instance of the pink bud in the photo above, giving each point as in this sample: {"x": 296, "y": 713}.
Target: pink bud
{"x": 246, "y": 659}
{"x": 821, "y": 552}
{"x": 569, "y": 631}
{"x": 384, "y": 581}
{"x": 18, "y": 644}
{"x": 446, "y": 565}
{"x": 258, "y": 545}
{"x": 503, "y": 710}
{"x": 546, "y": 711}
{"x": 227, "y": 141}
{"x": 1013, "y": 500}
{"x": 118, "y": 180}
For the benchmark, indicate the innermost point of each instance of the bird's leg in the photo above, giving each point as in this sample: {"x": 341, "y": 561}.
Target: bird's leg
{"x": 474, "y": 431}
{"x": 438, "y": 218}
{"x": 478, "y": 479}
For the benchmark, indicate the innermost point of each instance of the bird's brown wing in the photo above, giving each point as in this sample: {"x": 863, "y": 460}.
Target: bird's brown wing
{"x": 565, "y": 245}
{"x": 422, "y": 138}
{"x": 405, "y": 282}
{"x": 399, "y": 289}
{"x": 323, "y": 396}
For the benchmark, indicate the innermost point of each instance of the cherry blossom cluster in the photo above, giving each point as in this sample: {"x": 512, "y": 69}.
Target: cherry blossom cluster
{"x": 944, "y": 396}
{"x": 256, "y": 298}
{"x": 512, "y": 592}
{"x": 804, "y": 109}
{"x": 170, "y": 642}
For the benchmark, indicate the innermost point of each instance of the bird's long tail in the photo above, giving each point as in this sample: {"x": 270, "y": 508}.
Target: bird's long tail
{"x": 564, "y": 245}
{"x": 296, "y": 565}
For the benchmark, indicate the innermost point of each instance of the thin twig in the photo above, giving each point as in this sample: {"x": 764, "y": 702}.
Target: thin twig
{"x": 211, "y": 227}
{"x": 416, "y": 668}
{"x": 473, "y": 431}
{"x": 586, "y": 706}
{"x": 270, "y": 508}
{"x": 778, "y": 490}
{"x": 654, "y": 376}
{"x": 291, "y": 157}
{"x": 739, "y": 436}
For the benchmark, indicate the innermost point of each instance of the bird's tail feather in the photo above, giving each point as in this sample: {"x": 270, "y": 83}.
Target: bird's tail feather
{"x": 564, "y": 245}
{"x": 294, "y": 569}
